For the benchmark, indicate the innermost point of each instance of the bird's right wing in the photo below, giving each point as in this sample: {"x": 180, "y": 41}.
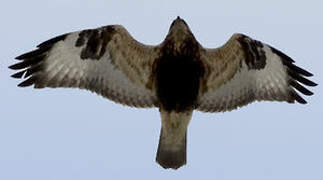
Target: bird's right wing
{"x": 245, "y": 70}
{"x": 106, "y": 60}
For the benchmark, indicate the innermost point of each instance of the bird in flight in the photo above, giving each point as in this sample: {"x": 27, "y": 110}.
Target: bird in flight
{"x": 177, "y": 76}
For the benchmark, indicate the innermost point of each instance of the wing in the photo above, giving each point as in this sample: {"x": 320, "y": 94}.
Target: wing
{"x": 244, "y": 70}
{"x": 106, "y": 60}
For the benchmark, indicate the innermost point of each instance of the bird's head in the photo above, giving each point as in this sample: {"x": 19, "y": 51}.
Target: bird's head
{"x": 179, "y": 30}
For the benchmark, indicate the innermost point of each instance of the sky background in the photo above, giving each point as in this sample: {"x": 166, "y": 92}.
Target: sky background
{"x": 69, "y": 134}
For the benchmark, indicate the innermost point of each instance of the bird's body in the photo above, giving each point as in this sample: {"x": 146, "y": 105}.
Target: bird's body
{"x": 177, "y": 76}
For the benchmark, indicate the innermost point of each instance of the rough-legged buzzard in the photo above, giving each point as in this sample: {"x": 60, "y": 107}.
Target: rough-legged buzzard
{"x": 176, "y": 76}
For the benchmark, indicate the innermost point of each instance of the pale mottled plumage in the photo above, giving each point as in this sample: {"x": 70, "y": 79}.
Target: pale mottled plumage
{"x": 177, "y": 76}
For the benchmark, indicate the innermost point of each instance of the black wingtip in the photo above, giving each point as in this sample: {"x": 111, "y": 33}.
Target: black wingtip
{"x": 18, "y": 75}
{"x": 20, "y": 57}
{"x": 27, "y": 82}
{"x": 282, "y": 55}
{"x": 33, "y": 54}
{"x": 13, "y": 67}
{"x": 297, "y": 97}
{"x": 28, "y": 62}
{"x": 52, "y": 41}
{"x": 18, "y": 66}
{"x": 289, "y": 62}
{"x": 301, "y": 88}
{"x": 297, "y": 75}
{"x": 23, "y": 56}
{"x": 301, "y": 79}
{"x": 300, "y": 70}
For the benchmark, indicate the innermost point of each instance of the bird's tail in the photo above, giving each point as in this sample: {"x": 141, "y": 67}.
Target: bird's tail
{"x": 171, "y": 151}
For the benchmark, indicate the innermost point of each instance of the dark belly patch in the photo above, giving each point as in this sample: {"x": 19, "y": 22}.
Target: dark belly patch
{"x": 177, "y": 81}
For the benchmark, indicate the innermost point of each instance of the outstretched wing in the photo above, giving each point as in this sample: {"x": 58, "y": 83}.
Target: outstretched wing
{"x": 244, "y": 70}
{"x": 106, "y": 60}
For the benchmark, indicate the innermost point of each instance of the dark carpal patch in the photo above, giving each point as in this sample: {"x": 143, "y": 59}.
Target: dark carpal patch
{"x": 178, "y": 76}
{"x": 255, "y": 55}
{"x": 83, "y": 36}
{"x": 94, "y": 42}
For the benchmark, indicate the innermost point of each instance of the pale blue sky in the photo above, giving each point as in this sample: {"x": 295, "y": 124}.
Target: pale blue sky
{"x": 74, "y": 134}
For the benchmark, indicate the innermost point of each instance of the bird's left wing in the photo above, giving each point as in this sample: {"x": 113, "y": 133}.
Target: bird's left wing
{"x": 106, "y": 60}
{"x": 245, "y": 70}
